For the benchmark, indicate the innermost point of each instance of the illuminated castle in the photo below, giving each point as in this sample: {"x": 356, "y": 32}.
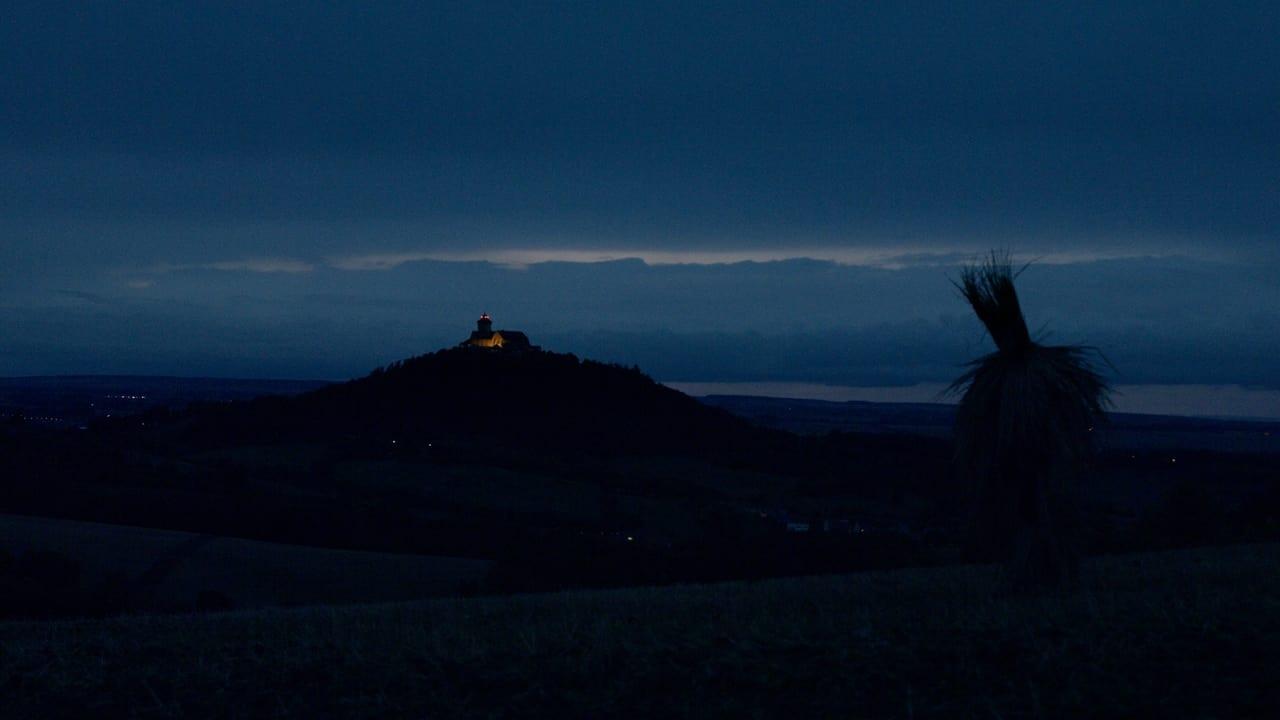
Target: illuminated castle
{"x": 485, "y": 336}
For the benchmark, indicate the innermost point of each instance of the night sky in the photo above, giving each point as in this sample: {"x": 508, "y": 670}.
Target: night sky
{"x": 729, "y": 192}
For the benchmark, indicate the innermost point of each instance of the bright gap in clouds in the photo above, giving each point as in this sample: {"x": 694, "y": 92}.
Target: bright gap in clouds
{"x": 887, "y": 257}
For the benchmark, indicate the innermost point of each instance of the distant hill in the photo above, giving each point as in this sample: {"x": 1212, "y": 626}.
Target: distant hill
{"x": 561, "y": 472}
{"x": 501, "y": 400}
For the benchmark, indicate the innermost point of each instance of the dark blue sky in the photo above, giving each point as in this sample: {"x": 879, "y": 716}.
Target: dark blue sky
{"x": 286, "y": 189}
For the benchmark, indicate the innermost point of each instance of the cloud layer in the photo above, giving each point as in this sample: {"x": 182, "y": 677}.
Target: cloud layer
{"x": 799, "y": 320}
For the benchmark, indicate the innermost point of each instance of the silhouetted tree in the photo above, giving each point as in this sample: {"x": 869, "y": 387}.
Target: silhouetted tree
{"x": 1024, "y": 429}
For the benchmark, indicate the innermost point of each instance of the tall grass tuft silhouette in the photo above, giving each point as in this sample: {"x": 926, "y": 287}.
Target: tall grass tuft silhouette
{"x": 1024, "y": 431}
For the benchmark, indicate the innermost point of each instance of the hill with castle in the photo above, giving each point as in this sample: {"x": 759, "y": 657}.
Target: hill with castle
{"x": 559, "y": 472}
{"x": 495, "y": 390}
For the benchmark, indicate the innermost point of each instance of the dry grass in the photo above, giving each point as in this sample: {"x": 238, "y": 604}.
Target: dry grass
{"x": 1185, "y": 634}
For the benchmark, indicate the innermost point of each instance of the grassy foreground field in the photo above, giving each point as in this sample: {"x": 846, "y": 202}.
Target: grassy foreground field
{"x": 1181, "y": 634}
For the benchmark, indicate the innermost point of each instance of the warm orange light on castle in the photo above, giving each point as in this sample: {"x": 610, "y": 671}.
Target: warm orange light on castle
{"x": 484, "y": 336}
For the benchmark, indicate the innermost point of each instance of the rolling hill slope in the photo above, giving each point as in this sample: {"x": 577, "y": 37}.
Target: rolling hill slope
{"x": 167, "y": 570}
